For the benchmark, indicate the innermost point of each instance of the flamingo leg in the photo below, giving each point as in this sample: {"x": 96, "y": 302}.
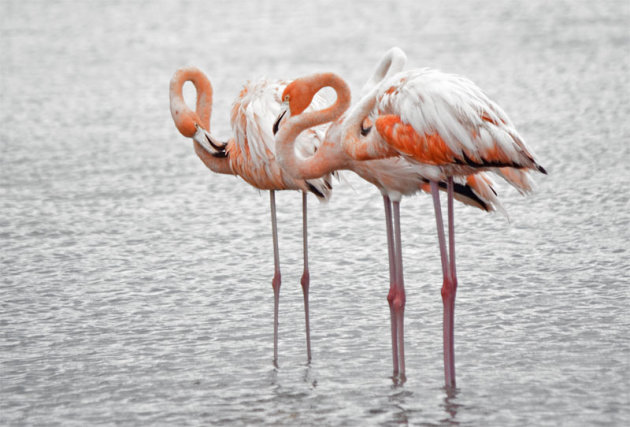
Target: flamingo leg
{"x": 451, "y": 231}
{"x": 392, "y": 280}
{"x": 399, "y": 298}
{"x": 305, "y": 281}
{"x": 449, "y": 291}
{"x": 448, "y": 297}
{"x": 275, "y": 283}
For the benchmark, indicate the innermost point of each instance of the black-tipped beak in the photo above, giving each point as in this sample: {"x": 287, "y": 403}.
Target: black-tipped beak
{"x": 366, "y": 126}
{"x": 276, "y": 125}
{"x": 219, "y": 147}
{"x": 214, "y": 148}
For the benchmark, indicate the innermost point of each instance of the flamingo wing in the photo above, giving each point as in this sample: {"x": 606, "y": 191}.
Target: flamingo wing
{"x": 444, "y": 119}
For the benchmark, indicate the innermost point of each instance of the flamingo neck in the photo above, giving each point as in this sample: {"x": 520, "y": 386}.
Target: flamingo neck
{"x": 203, "y": 107}
{"x": 215, "y": 164}
{"x": 185, "y": 118}
{"x": 392, "y": 62}
{"x": 328, "y": 156}
{"x": 369, "y": 147}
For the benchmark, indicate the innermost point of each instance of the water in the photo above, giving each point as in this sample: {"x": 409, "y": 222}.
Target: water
{"x": 136, "y": 285}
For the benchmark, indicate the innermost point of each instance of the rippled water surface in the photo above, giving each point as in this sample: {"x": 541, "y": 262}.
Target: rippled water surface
{"x": 135, "y": 284}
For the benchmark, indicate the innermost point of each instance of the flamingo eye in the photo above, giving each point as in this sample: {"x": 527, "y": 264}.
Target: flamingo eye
{"x": 286, "y": 98}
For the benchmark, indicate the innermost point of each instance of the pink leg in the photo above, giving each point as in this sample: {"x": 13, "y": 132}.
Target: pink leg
{"x": 435, "y": 193}
{"x": 451, "y": 230}
{"x": 449, "y": 290}
{"x": 392, "y": 280}
{"x": 305, "y": 281}
{"x": 399, "y": 298}
{"x": 275, "y": 283}
{"x": 449, "y": 362}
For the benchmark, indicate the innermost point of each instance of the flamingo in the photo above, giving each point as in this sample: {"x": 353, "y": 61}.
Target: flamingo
{"x": 250, "y": 154}
{"x": 445, "y": 120}
{"x": 350, "y": 145}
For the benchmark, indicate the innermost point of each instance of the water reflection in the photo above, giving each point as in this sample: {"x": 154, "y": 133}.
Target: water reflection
{"x": 309, "y": 376}
{"x": 273, "y": 376}
{"x": 400, "y": 399}
{"x": 451, "y": 406}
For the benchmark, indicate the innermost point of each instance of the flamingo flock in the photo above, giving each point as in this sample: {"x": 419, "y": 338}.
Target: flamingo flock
{"x": 411, "y": 131}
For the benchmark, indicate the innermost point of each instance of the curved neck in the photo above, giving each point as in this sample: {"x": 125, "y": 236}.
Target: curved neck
{"x": 370, "y": 147}
{"x": 315, "y": 83}
{"x": 391, "y": 63}
{"x": 203, "y": 107}
{"x": 215, "y": 164}
{"x": 185, "y": 119}
{"x": 328, "y": 157}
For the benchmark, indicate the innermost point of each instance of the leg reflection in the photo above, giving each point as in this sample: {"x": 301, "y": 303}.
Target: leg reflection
{"x": 451, "y": 406}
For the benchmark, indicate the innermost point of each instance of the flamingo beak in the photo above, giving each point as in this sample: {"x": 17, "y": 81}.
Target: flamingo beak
{"x": 208, "y": 143}
{"x": 276, "y": 125}
{"x": 283, "y": 115}
{"x": 366, "y": 126}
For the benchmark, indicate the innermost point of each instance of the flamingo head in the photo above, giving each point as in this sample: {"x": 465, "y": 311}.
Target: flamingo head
{"x": 298, "y": 95}
{"x": 189, "y": 125}
{"x": 296, "y": 98}
{"x": 186, "y": 121}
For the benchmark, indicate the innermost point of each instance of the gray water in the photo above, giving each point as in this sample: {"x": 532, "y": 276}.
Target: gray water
{"x": 136, "y": 284}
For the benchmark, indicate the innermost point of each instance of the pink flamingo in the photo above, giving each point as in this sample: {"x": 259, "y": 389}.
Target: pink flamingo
{"x": 250, "y": 154}
{"x": 349, "y": 144}
{"x": 444, "y": 120}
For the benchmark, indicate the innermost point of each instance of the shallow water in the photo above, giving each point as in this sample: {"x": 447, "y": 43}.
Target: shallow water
{"x": 136, "y": 285}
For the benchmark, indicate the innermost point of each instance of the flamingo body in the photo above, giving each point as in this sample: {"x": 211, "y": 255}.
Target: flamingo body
{"x": 445, "y": 120}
